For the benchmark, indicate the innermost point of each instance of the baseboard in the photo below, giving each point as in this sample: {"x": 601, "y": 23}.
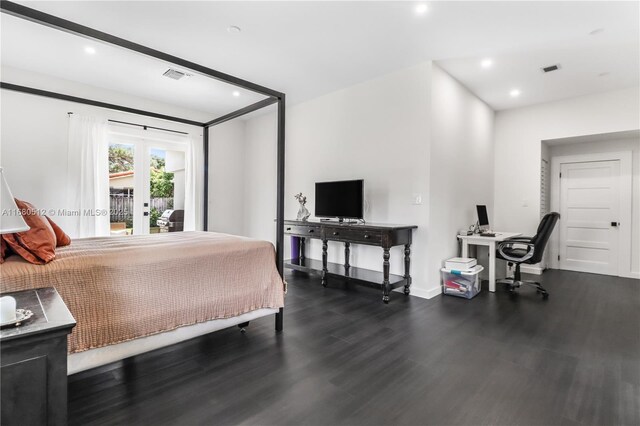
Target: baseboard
{"x": 426, "y": 294}
{"x": 531, "y": 269}
{"x": 635, "y": 275}
{"x": 528, "y": 269}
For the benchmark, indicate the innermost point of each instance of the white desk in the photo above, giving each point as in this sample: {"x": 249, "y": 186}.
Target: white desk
{"x": 490, "y": 242}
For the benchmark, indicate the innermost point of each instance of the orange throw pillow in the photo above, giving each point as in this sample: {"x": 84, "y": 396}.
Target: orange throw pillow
{"x": 61, "y": 237}
{"x": 38, "y": 244}
{"x": 3, "y": 250}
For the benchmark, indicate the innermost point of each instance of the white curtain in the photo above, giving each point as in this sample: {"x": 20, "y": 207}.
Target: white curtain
{"x": 88, "y": 175}
{"x": 194, "y": 184}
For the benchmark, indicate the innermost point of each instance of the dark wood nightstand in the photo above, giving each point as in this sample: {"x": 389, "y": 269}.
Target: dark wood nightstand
{"x": 33, "y": 361}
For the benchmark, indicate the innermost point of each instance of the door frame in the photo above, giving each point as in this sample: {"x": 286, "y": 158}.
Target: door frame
{"x": 625, "y": 208}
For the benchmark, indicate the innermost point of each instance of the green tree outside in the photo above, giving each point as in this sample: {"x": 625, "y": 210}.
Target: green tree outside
{"x": 161, "y": 184}
{"x": 120, "y": 158}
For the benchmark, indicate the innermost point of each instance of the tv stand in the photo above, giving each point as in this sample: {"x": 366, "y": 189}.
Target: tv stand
{"x": 340, "y": 220}
{"x": 372, "y": 234}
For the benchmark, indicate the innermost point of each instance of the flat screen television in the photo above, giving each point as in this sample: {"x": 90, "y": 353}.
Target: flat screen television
{"x": 341, "y": 199}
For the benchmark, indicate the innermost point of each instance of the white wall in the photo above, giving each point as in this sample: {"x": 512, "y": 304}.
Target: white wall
{"x": 34, "y": 134}
{"x": 518, "y": 136}
{"x": 380, "y": 131}
{"x": 260, "y": 177}
{"x": 227, "y": 177}
{"x": 619, "y": 145}
{"x": 175, "y": 163}
{"x": 376, "y": 131}
{"x": 179, "y": 190}
{"x": 461, "y": 166}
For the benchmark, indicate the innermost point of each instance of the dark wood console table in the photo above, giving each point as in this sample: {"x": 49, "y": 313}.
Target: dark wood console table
{"x": 372, "y": 234}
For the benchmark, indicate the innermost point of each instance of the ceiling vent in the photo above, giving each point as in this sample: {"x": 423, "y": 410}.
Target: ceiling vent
{"x": 551, "y": 68}
{"x": 175, "y": 74}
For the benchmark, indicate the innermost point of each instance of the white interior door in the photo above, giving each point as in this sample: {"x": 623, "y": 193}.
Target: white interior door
{"x": 590, "y": 209}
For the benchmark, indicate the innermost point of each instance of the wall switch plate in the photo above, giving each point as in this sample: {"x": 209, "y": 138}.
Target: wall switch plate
{"x": 417, "y": 199}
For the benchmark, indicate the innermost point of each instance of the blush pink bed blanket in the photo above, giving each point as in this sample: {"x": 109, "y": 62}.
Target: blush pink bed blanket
{"x": 122, "y": 288}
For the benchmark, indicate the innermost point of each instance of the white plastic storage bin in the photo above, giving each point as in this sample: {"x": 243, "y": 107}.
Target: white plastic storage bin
{"x": 461, "y": 283}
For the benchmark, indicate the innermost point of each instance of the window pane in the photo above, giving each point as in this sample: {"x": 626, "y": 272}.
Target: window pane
{"x": 121, "y": 183}
{"x": 166, "y": 191}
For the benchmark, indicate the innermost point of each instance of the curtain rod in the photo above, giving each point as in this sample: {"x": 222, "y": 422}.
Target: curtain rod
{"x": 144, "y": 126}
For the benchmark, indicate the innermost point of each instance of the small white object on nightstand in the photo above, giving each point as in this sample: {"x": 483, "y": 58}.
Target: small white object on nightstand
{"x": 7, "y": 309}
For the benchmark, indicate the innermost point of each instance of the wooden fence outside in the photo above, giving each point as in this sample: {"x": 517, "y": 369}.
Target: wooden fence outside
{"x": 121, "y": 206}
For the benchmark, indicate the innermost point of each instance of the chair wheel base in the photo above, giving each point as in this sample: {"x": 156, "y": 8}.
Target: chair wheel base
{"x": 513, "y": 286}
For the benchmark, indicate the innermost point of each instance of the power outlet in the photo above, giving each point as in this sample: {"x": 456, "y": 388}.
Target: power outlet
{"x": 417, "y": 199}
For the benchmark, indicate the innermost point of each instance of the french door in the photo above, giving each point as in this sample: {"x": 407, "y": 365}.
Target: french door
{"x": 146, "y": 178}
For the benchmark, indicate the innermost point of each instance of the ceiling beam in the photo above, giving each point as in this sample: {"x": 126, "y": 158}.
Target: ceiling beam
{"x": 42, "y": 18}
{"x": 63, "y": 97}
{"x": 242, "y": 111}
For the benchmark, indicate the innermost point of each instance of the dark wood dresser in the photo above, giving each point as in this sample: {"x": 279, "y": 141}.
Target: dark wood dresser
{"x": 385, "y": 236}
{"x": 33, "y": 361}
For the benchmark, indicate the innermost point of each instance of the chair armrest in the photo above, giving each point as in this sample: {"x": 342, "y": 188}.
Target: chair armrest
{"x": 516, "y": 241}
{"x": 518, "y": 238}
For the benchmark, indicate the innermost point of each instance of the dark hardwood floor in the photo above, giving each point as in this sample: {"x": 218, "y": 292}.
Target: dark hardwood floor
{"x": 346, "y": 358}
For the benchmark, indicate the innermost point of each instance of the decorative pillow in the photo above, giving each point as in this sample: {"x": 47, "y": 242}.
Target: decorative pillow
{"x": 61, "y": 237}
{"x": 38, "y": 244}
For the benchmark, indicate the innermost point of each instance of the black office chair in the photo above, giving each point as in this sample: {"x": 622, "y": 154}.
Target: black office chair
{"x": 512, "y": 251}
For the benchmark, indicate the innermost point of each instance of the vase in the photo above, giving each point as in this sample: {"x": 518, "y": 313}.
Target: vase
{"x": 303, "y": 213}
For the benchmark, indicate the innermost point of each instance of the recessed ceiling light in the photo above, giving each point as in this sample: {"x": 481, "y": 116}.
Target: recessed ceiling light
{"x": 233, "y": 29}
{"x": 236, "y": 93}
{"x": 597, "y": 31}
{"x": 514, "y": 93}
{"x": 422, "y": 9}
{"x": 486, "y": 63}
{"x": 603, "y": 74}
{"x": 90, "y": 50}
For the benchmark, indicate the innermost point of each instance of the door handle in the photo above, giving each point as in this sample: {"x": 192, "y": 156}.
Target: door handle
{"x": 615, "y": 224}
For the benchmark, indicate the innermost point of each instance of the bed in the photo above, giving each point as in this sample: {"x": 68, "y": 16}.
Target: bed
{"x": 133, "y": 294}
{"x": 138, "y": 294}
